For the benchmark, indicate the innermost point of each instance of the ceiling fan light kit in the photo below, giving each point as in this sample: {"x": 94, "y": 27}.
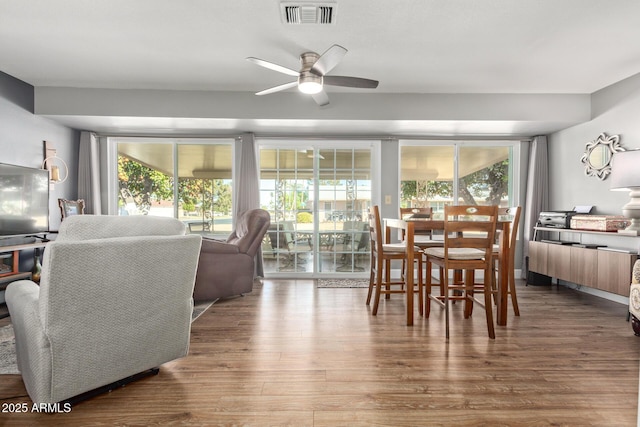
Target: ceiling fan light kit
{"x": 309, "y": 82}
{"x": 312, "y": 75}
{"x": 310, "y": 85}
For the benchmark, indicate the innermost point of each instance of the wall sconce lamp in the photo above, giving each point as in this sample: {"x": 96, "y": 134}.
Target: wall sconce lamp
{"x": 58, "y": 169}
{"x": 625, "y": 175}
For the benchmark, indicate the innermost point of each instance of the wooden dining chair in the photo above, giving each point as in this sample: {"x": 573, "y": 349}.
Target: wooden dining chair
{"x": 422, "y": 238}
{"x": 469, "y": 233}
{"x": 382, "y": 253}
{"x": 512, "y": 214}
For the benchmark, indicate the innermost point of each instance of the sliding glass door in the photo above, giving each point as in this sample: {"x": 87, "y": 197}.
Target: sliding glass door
{"x": 344, "y": 194}
{"x": 319, "y": 197}
{"x": 286, "y": 191}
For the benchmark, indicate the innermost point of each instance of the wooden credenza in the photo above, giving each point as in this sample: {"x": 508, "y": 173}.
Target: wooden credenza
{"x": 600, "y": 269}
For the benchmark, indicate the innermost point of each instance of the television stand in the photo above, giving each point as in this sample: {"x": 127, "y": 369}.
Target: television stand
{"x": 42, "y": 238}
{"x": 9, "y": 268}
{"x": 16, "y": 241}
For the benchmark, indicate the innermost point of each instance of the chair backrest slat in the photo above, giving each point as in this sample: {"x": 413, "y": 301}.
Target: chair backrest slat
{"x": 513, "y": 214}
{"x": 375, "y": 230}
{"x": 470, "y": 227}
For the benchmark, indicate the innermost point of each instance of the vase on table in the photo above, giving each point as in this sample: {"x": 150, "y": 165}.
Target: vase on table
{"x": 36, "y": 271}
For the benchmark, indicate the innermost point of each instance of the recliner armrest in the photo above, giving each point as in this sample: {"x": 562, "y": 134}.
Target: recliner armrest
{"x": 22, "y": 293}
{"x": 216, "y": 246}
{"x": 23, "y": 299}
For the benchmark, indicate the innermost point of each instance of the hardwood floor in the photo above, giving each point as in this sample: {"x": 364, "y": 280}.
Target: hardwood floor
{"x": 289, "y": 354}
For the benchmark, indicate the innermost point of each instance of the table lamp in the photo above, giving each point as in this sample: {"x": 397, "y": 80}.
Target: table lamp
{"x": 625, "y": 175}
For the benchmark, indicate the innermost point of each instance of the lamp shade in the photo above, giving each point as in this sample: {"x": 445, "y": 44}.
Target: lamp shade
{"x": 625, "y": 170}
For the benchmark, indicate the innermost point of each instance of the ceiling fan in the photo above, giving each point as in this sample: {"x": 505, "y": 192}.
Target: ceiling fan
{"x": 313, "y": 74}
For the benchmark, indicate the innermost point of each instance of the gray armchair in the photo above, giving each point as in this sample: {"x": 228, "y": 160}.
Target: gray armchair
{"x": 114, "y": 301}
{"x": 228, "y": 268}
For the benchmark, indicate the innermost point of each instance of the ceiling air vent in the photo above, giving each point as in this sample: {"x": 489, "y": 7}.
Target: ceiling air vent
{"x": 308, "y": 13}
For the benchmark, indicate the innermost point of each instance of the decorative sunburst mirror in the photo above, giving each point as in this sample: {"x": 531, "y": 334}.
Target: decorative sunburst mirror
{"x": 598, "y": 154}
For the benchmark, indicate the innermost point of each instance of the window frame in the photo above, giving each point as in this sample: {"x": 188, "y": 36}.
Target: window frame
{"x": 457, "y": 144}
{"x": 112, "y": 161}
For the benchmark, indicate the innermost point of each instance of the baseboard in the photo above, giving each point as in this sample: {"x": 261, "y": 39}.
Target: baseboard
{"x": 595, "y": 292}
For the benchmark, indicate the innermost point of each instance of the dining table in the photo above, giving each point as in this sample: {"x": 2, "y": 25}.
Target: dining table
{"x": 411, "y": 225}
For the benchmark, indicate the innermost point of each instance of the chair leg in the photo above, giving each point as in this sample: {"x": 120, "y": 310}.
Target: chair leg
{"x": 429, "y": 281}
{"x": 445, "y": 281}
{"x": 511, "y": 288}
{"x": 429, "y": 276}
{"x": 371, "y": 279}
{"x": 458, "y": 279}
{"x": 428, "y": 284}
{"x": 376, "y": 301}
{"x": 420, "y": 286}
{"x": 495, "y": 270}
{"x": 512, "y": 291}
{"x": 488, "y": 295}
{"x": 469, "y": 280}
{"x": 387, "y": 277}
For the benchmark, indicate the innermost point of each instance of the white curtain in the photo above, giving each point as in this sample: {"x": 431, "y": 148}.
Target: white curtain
{"x": 247, "y": 187}
{"x": 537, "y": 199}
{"x": 89, "y": 173}
{"x": 247, "y": 176}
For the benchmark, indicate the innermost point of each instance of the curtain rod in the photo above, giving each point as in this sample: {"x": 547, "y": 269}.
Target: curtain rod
{"x": 389, "y": 138}
{"x": 326, "y": 137}
{"x": 186, "y": 136}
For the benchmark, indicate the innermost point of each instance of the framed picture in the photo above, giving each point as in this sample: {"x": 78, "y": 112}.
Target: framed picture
{"x": 71, "y": 207}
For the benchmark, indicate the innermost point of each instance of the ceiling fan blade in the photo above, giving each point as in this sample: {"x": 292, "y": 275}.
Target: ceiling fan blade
{"x": 328, "y": 60}
{"x": 277, "y": 88}
{"x": 274, "y": 67}
{"x": 321, "y": 98}
{"x": 347, "y": 81}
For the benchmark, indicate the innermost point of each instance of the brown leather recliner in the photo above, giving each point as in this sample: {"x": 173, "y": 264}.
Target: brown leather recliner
{"x": 227, "y": 268}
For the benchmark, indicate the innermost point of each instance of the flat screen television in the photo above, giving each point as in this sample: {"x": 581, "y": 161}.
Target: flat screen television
{"x": 24, "y": 200}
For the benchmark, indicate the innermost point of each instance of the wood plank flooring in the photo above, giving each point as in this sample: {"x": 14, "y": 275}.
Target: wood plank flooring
{"x": 289, "y": 354}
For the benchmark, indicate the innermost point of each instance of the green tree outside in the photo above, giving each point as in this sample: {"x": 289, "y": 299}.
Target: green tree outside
{"x": 492, "y": 182}
{"x": 143, "y": 185}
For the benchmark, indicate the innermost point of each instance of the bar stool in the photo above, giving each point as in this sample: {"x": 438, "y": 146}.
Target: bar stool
{"x": 513, "y": 213}
{"x": 469, "y": 233}
{"x": 382, "y": 254}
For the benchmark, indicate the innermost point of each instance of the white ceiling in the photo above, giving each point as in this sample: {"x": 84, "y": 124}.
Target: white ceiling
{"x": 410, "y": 46}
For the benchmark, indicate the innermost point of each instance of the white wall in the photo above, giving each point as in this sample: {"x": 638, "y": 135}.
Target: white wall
{"x": 21, "y": 136}
{"x": 616, "y": 111}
